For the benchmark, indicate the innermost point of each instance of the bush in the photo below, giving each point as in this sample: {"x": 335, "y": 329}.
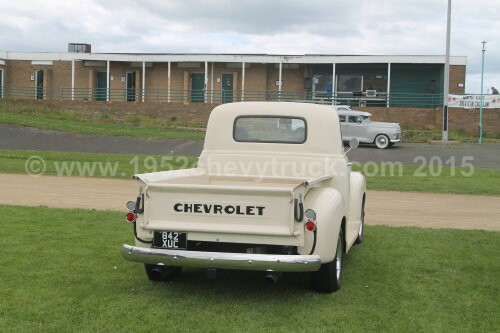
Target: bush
{"x": 133, "y": 120}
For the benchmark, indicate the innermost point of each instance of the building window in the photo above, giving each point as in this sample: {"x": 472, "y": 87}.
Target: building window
{"x": 361, "y": 83}
{"x": 374, "y": 82}
{"x": 322, "y": 86}
{"x": 349, "y": 83}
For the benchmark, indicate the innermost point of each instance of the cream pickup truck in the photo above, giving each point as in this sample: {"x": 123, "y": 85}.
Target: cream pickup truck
{"x": 272, "y": 192}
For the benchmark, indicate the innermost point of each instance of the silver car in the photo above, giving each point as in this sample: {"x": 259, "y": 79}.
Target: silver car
{"x": 357, "y": 124}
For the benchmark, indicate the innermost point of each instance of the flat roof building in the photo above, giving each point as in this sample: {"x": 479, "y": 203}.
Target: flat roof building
{"x": 361, "y": 80}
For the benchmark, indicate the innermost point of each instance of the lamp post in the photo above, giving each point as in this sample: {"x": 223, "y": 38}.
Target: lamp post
{"x": 481, "y": 98}
{"x": 446, "y": 75}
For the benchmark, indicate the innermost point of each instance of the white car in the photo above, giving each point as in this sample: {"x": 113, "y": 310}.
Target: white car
{"x": 357, "y": 124}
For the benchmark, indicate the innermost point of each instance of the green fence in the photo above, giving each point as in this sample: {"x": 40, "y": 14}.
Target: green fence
{"x": 220, "y": 96}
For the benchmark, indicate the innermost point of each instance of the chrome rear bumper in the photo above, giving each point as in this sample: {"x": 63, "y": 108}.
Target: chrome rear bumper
{"x": 223, "y": 260}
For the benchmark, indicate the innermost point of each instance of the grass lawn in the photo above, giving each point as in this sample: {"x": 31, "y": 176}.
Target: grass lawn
{"x": 482, "y": 182}
{"x": 62, "y": 271}
{"x": 71, "y": 121}
{"x": 82, "y": 164}
{"x": 449, "y": 180}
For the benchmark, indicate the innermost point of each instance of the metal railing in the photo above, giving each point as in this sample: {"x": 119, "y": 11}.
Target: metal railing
{"x": 160, "y": 95}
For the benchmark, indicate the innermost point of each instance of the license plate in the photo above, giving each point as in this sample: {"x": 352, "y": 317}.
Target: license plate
{"x": 172, "y": 240}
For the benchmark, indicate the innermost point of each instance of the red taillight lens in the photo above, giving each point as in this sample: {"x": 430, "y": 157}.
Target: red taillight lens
{"x": 130, "y": 217}
{"x": 310, "y": 226}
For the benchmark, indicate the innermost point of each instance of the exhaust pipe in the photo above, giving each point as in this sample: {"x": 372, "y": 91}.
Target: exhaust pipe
{"x": 273, "y": 277}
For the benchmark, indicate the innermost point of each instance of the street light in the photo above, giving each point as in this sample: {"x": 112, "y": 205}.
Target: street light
{"x": 481, "y": 99}
{"x": 446, "y": 75}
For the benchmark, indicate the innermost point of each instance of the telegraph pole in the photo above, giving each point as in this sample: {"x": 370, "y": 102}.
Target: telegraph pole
{"x": 446, "y": 75}
{"x": 481, "y": 99}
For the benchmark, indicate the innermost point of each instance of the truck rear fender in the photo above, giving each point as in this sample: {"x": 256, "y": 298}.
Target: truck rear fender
{"x": 330, "y": 210}
{"x": 358, "y": 189}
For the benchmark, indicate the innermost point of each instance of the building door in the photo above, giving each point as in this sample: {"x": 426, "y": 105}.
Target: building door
{"x": 197, "y": 87}
{"x": 39, "y": 84}
{"x": 100, "y": 91}
{"x": 130, "y": 86}
{"x": 227, "y": 88}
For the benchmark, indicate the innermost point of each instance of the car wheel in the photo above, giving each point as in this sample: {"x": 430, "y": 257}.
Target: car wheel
{"x": 362, "y": 224}
{"x": 329, "y": 277}
{"x": 382, "y": 141}
{"x": 161, "y": 272}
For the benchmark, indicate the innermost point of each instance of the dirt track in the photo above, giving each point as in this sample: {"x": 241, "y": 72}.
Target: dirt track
{"x": 383, "y": 208}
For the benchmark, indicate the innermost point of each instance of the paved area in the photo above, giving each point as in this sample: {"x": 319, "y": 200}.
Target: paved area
{"x": 18, "y": 137}
{"x": 383, "y": 208}
{"x": 485, "y": 156}
{"x": 28, "y": 138}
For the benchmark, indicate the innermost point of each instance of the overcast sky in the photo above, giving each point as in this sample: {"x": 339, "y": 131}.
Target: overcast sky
{"x": 364, "y": 27}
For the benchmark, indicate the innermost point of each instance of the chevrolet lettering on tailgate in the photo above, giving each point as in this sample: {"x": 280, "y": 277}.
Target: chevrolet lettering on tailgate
{"x": 216, "y": 209}
{"x": 273, "y": 191}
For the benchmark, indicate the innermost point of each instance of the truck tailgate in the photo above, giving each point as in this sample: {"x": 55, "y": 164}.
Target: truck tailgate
{"x": 221, "y": 209}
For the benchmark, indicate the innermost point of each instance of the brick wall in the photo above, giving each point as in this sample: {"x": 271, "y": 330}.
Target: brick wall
{"x": 457, "y": 75}
{"x": 458, "y": 118}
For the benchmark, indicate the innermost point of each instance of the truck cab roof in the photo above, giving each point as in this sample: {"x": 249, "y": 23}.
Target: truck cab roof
{"x": 321, "y": 126}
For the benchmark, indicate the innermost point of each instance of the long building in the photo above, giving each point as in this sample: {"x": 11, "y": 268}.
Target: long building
{"x": 361, "y": 80}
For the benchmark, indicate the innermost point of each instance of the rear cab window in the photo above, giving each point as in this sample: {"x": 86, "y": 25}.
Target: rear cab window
{"x": 270, "y": 129}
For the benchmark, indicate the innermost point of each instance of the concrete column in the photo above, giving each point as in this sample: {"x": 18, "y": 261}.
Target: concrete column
{"x": 280, "y": 78}
{"x": 169, "y": 76}
{"x": 280, "y": 75}
{"x": 212, "y": 84}
{"x": 3, "y": 82}
{"x": 243, "y": 81}
{"x": 388, "y": 83}
{"x": 205, "y": 83}
{"x": 107, "y": 80}
{"x": 143, "y": 80}
{"x": 333, "y": 84}
{"x": 73, "y": 79}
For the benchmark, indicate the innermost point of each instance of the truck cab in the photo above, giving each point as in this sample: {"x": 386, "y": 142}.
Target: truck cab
{"x": 272, "y": 192}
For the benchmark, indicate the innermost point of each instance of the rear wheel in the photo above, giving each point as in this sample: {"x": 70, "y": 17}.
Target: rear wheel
{"x": 382, "y": 141}
{"x": 161, "y": 272}
{"x": 329, "y": 277}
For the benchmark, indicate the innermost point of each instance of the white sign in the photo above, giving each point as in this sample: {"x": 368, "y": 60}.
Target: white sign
{"x": 474, "y": 101}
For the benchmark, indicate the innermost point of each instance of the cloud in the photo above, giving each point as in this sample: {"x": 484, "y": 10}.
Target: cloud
{"x": 258, "y": 26}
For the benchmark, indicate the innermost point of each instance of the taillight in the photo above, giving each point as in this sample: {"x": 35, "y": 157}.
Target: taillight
{"x": 130, "y": 217}
{"x": 310, "y": 226}
{"x": 311, "y": 220}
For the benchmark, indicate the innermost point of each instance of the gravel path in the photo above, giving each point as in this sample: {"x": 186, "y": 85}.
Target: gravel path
{"x": 383, "y": 208}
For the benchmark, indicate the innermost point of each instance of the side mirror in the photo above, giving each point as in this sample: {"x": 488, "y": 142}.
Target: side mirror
{"x": 353, "y": 144}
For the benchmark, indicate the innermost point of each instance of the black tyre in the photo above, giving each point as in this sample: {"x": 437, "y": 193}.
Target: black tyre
{"x": 329, "y": 277}
{"x": 382, "y": 141}
{"x": 161, "y": 272}
{"x": 362, "y": 225}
